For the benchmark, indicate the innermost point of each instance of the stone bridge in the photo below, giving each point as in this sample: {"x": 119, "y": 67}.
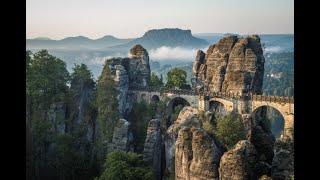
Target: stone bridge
{"x": 246, "y": 105}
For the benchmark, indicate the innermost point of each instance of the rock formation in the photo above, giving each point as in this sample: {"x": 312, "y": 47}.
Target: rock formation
{"x": 56, "y": 114}
{"x": 138, "y": 67}
{"x": 152, "y": 147}
{"x": 120, "y": 136}
{"x": 283, "y": 161}
{"x": 234, "y": 64}
{"x": 129, "y": 73}
{"x": 239, "y": 162}
{"x": 196, "y": 155}
{"x": 186, "y": 117}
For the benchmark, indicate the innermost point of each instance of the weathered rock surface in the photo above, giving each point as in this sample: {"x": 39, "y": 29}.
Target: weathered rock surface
{"x": 187, "y": 117}
{"x": 128, "y": 73}
{"x": 239, "y": 162}
{"x": 263, "y": 142}
{"x": 283, "y": 161}
{"x": 234, "y": 64}
{"x": 122, "y": 83}
{"x": 56, "y": 114}
{"x": 120, "y": 136}
{"x": 138, "y": 67}
{"x": 196, "y": 155}
{"x": 152, "y": 146}
{"x": 199, "y": 61}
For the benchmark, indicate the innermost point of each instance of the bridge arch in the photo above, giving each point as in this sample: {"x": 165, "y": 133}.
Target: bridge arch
{"x": 274, "y": 121}
{"x": 143, "y": 97}
{"x": 173, "y": 106}
{"x": 228, "y": 105}
{"x": 218, "y": 108}
{"x": 155, "y": 98}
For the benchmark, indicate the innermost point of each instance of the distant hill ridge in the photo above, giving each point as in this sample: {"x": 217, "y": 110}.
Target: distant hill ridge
{"x": 77, "y": 42}
{"x": 171, "y": 37}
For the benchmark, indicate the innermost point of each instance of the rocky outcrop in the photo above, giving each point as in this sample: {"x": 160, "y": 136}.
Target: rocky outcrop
{"x": 234, "y": 64}
{"x": 122, "y": 83}
{"x": 239, "y": 162}
{"x": 138, "y": 67}
{"x": 56, "y": 116}
{"x": 198, "y": 63}
{"x": 187, "y": 117}
{"x": 120, "y": 136}
{"x": 152, "y": 146}
{"x": 130, "y": 73}
{"x": 283, "y": 161}
{"x": 263, "y": 142}
{"x": 196, "y": 155}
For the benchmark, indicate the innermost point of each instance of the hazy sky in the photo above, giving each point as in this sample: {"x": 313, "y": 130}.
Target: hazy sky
{"x": 57, "y": 19}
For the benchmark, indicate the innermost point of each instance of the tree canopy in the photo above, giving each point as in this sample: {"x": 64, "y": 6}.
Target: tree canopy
{"x": 155, "y": 81}
{"x": 126, "y": 166}
{"x": 176, "y": 78}
{"x": 229, "y": 130}
{"x": 108, "y": 114}
{"x": 47, "y": 78}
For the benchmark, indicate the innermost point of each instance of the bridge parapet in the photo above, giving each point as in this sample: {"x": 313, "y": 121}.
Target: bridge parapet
{"x": 162, "y": 90}
{"x": 275, "y": 99}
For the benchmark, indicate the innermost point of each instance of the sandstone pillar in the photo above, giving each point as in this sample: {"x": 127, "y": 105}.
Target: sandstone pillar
{"x": 288, "y": 126}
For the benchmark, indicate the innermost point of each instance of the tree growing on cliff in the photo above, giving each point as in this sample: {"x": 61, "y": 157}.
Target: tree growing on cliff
{"x": 82, "y": 96}
{"x": 140, "y": 115}
{"x": 229, "y": 130}
{"x": 176, "y": 78}
{"x": 126, "y": 166}
{"x": 155, "y": 81}
{"x": 107, "y": 104}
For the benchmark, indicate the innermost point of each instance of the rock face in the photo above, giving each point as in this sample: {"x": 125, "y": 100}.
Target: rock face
{"x": 138, "y": 67}
{"x": 120, "y": 136}
{"x": 129, "y": 73}
{"x": 196, "y": 155}
{"x": 152, "y": 147}
{"x": 239, "y": 162}
{"x": 122, "y": 84}
{"x": 263, "y": 142}
{"x": 56, "y": 114}
{"x": 234, "y": 64}
{"x": 187, "y": 117}
{"x": 283, "y": 161}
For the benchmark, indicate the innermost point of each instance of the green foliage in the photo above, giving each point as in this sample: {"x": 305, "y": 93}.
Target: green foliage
{"x": 82, "y": 94}
{"x": 47, "y": 78}
{"x": 126, "y": 166}
{"x": 230, "y": 130}
{"x": 208, "y": 127}
{"x": 107, "y": 104}
{"x": 67, "y": 161}
{"x": 175, "y": 112}
{"x": 176, "y": 78}
{"x": 53, "y": 155}
{"x": 140, "y": 116}
{"x": 81, "y": 76}
{"x": 155, "y": 81}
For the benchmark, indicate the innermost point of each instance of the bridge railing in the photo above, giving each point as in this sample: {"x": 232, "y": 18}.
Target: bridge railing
{"x": 277, "y": 99}
{"x": 227, "y": 95}
{"x": 164, "y": 90}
